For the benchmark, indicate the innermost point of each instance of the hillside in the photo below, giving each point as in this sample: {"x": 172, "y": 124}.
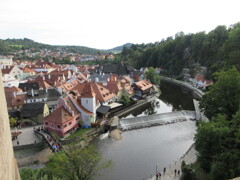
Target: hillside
{"x": 119, "y": 49}
{"x": 216, "y": 50}
{"x": 9, "y": 46}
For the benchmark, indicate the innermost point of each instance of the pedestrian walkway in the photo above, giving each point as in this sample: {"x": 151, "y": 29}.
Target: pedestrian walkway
{"x": 27, "y": 136}
{"x": 189, "y": 158}
{"x": 52, "y": 143}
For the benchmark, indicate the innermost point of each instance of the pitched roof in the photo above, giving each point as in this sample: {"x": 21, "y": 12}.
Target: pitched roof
{"x": 87, "y": 91}
{"x": 113, "y": 87}
{"x": 12, "y": 96}
{"x": 144, "y": 85}
{"x": 50, "y": 94}
{"x": 60, "y": 115}
{"x": 32, "y": 109}
{"x": 114, "y": 69}
{"x": 7, "y": 69}
{"x": 28, "y": 86}
{"x": 27, "y": 70}
{"x": 102, "y": 93}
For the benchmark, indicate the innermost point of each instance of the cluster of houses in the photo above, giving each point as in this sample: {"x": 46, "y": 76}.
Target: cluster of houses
{"x": 60, "y": 53}
{"x": 63, "y": 96}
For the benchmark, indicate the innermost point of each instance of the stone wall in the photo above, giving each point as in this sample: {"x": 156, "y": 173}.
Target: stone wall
{"x": 8, "y": 163}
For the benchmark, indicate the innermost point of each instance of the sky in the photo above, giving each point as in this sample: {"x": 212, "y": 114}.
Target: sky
{"x": 105, "y": 24}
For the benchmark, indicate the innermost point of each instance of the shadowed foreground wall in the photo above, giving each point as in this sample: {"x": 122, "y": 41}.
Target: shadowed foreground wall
{"x": 8, "y": 163}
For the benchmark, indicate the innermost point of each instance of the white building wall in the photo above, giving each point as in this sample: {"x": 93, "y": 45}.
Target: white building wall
{"x": 11, "y": 83}
{"x": 88, "y": 103}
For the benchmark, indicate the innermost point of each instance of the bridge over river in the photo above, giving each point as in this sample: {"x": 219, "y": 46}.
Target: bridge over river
{"x": 157, "y": 119}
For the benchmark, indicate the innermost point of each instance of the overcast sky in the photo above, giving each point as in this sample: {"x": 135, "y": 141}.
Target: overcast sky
{"x": 105, "y": 24}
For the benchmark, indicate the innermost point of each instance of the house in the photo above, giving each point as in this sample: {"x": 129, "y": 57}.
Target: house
{"x": 35, "y": 111}
{"x": 81, "y": 105}
{"x": 9, "y": 80}
{"x": 200, "y": 81}
{"x": 99, "y": 78}
{"x": 142, "y": 88}
{"x": 118, "y": 69}
{"x": 5, "y": 61}
{"x": 29, "y": 86}
{"x": 29, "y": 71}
{"x": 101, "y": 57}
{"x": 15, "y": 98}
{"x": 61, "y": 121}
{"x": 11, "y": 70}
{"x": 48, "y": 96}
{"x": 137, "y": 76}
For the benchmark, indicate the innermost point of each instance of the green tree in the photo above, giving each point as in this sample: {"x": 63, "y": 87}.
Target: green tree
{"x": 36, "y": 174}
{"x": 12, "y": 121}
{"x": 223, "y": 96}
{"x": 152, "y": 76}
{"x": 125, "y": 99}
{"x": 187, "y": 172}
{"x": 76, "y": 164}
{"x": 210, "y": 140}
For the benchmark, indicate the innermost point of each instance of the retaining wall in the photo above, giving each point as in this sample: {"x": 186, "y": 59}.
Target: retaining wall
{"x": 197, "y": 93}
{"x": 28, "y": 146}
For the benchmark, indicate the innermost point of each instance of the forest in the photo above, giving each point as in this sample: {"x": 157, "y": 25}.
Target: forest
{"x": 216, "y": 50}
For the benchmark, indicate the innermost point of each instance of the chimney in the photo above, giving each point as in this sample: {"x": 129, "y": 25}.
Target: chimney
{"x": 14, "y": 94}
{"x": 49, "y": 76}
{"x": 32, "y": 91}
{"x": 72, "y": 113}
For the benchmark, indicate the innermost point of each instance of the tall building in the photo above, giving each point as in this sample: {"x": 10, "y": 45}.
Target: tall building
{"x": 8, "y": 163}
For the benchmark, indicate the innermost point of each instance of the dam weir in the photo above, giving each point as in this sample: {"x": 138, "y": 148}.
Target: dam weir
{"x": 157, "y": 119}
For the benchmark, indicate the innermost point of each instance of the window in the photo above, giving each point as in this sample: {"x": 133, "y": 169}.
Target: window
{"x": 52, "y": 125}
{"x": 69, "y": 123}
{"x": 65, "y": 125}
{"x": 87, "y": 101}
{"x": 59, "y": 126}
{"x": 46, "y": 123}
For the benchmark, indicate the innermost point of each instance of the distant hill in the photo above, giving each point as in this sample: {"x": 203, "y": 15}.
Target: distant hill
{"x": 119, "y": 49}
{"x": 12, "y": 45}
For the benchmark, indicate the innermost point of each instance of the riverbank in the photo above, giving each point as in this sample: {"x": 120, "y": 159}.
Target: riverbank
{"x": 37, "y": 158}
{"x": 195, "y": 91}
{"x": 189, "y": 157}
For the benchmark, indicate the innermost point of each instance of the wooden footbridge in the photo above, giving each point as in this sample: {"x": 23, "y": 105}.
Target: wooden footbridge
{"x": 55, "y": 146}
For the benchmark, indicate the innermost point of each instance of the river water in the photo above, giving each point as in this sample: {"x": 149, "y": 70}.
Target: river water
{"x": 136, "y": 155}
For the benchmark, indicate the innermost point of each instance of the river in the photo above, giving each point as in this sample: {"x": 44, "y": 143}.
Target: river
{"x": 136, "y": 155}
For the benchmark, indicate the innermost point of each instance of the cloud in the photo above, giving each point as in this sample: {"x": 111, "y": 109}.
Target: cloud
{"x": 107, "y": 23}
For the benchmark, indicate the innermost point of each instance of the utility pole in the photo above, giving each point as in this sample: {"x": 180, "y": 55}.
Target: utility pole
{"x": 156, "y": 171}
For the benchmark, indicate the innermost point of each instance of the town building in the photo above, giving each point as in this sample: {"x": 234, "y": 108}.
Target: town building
{"x": 35, "y": 112}
{"x": 5, "y": 61}
{"x": 142, "y": 88}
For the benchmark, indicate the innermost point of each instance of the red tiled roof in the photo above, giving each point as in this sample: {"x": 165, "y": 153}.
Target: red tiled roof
{"x": 200, "y": 77}
{"x": 144, "y": 85}
{"x": 27, "y": 70}
{"x": 87, "y": 91}
{"x": 60, "y": 115}
{"x": 14, "y": 100}
{"x": 102, "y": 93}
{"x": 7, "y": 69}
